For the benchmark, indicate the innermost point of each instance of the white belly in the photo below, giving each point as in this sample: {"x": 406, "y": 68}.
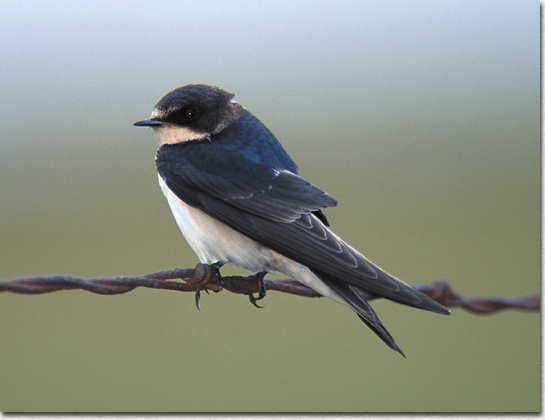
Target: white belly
{"x": 213, "y": 241}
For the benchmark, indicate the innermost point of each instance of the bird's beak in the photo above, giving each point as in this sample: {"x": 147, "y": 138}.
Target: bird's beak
{"x": 150, "y": 122}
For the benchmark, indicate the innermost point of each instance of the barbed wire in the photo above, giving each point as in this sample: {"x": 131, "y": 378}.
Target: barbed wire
{"x": 203, "y": 278}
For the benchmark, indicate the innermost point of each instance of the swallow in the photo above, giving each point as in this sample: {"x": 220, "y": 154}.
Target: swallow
{"x": 237, "y": 198}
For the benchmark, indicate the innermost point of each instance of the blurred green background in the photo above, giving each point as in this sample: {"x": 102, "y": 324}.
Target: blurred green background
{"x": 421, "y": 118}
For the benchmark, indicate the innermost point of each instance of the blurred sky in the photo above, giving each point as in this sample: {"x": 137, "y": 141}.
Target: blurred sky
{"x": 414, "y": 57}
{"x": 421, "y": 118}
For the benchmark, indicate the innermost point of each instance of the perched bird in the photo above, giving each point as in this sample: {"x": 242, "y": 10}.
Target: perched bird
{"x": 237, "y": 198}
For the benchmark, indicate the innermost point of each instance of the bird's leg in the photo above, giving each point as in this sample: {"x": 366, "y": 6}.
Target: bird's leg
{"x": 262, "y": 292}
{"x": 216, "y": 270}
{"x": 215, "y": 267}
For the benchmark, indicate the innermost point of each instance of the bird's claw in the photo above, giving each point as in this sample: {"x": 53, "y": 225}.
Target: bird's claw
{"x": 197, "y": 298}
{"x": 262, "y": 292}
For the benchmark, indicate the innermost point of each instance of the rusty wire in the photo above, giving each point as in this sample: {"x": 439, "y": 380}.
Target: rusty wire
{"x": 202, "y": 277}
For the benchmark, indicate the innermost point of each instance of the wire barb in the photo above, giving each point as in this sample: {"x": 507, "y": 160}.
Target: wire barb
{"x": 203, "y": 277}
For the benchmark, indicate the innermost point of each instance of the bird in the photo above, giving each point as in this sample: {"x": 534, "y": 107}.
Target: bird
{"x": 237, "y": 198}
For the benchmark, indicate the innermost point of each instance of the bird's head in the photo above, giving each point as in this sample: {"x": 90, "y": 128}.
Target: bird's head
{"x": 192, "y": 112}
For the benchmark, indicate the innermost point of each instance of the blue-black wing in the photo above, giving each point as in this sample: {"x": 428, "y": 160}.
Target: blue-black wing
{"x": 277, "y": 208}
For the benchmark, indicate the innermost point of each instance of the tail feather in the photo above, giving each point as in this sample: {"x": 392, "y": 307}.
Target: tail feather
{"x": 364, "y": 311}
{"x": 383, "y": 334}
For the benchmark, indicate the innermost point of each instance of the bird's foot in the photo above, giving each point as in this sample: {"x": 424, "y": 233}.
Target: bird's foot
{"x": 216, "y": 270}
{"x": 215, "y": 267}
{"x": 262, "y": 292}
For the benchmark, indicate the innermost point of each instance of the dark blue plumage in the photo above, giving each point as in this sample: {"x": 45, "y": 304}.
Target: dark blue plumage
{"x": 240, "y": 137}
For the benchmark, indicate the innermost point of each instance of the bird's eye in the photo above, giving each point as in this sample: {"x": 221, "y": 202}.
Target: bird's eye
{"x": 189, "y": 114}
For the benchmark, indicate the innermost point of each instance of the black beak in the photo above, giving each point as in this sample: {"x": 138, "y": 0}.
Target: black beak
{"x": 150, "y": 122}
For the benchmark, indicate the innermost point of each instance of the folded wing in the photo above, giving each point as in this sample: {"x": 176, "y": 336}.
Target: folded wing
{"x": 275, "y": 208}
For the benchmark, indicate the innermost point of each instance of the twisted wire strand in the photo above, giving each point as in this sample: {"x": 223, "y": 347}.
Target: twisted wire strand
{"x": 202, "y": 277}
